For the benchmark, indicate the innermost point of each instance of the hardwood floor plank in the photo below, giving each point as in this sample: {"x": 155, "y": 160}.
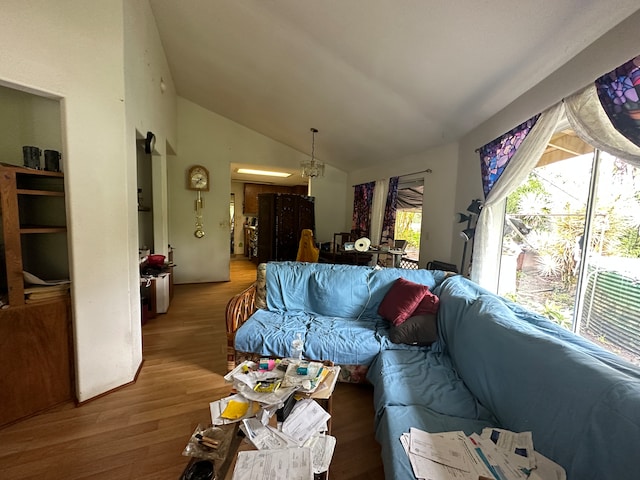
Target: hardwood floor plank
{"x": 140, "y": 431}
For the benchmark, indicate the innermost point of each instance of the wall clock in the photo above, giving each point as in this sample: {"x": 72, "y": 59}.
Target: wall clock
{"x": 198, "y": 178}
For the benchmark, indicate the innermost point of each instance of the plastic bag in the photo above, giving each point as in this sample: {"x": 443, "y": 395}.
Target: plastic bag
{"x": 198, "y": 444}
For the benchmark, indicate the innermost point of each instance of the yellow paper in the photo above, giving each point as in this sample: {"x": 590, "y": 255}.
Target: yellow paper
{"x": 235, "y": 410}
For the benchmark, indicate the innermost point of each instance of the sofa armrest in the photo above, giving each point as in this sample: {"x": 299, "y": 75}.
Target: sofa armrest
{"x": 239, "y": 309}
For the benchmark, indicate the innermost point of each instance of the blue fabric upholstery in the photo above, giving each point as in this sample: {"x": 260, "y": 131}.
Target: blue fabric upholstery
{"x": 271, "y": 333}
{"x": 336, "y": 306}
{"x": 344, "y": 341}
{"x": 534, "y": 377}
{"x": 426, "y": 378}
{"x": 495, "y": 364}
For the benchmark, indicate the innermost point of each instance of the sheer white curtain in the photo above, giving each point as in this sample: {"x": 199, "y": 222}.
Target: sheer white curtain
{"x": 591, "y": 123}
{"x": 377, "y": 210}
{"x": 488, "y": 236}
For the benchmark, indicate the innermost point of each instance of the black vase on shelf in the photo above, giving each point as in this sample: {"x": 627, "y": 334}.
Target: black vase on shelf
{"x": 31, "y": 157}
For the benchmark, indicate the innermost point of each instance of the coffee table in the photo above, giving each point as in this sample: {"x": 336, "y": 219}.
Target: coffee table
{"x": 323, "y": 395}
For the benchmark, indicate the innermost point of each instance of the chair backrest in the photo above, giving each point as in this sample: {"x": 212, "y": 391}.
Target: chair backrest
{"x": 400, "y": 244}
{"x": 307, "y": 250}
{"x": 444, "y": 266}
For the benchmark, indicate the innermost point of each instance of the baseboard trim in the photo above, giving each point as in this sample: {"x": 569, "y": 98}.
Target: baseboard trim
{"x": 108, "y": 392}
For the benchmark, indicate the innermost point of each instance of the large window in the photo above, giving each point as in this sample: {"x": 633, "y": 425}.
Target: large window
{"x": 571, "y": 245}
{"x": 409, "y": 215}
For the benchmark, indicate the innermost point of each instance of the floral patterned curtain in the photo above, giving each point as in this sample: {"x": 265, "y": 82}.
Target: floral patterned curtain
{"x": 362, "y": 200}
{"x": 389, "y": 220}
{"x": 619, "y": 94}
{"x": 495, "y": 155}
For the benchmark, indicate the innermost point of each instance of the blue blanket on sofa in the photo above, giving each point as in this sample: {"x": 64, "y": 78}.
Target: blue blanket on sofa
{"x": 581, "y": 402}
{"x": 498, "y": 364}
{"x": 335, "y": 307}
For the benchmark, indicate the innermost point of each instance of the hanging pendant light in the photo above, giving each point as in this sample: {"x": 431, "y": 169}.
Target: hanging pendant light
{"x": 312, "y": 168}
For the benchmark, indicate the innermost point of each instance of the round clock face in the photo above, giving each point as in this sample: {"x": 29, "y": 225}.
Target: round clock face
{"x": 198, "y": 178}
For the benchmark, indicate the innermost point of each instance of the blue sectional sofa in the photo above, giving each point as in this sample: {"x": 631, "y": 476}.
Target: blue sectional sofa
{"x": 334, "y": 306}
{"x": 494, "y": 364}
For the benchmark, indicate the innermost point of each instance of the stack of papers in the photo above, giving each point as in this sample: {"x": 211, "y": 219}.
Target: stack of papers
{"x": 303, "y": 430}
{"x": 495, "y": 455}
{"x": 287, "y": 464}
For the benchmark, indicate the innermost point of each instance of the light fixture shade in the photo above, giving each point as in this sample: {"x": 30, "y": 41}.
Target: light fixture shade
{"x": 475, "y": 206}
{"x": 468, "y": 233}
{"x": 312, "y": 168}
{"x": 461, "y": 217}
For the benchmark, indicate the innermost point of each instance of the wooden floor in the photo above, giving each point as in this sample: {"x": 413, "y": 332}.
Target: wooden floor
{"x": 139, "y": 432}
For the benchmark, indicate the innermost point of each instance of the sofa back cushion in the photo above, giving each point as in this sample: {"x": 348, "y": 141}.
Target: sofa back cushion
{"x": 319, "y": 288}
{"x": 535, "y": 380}
{"x": 347, "y": 291}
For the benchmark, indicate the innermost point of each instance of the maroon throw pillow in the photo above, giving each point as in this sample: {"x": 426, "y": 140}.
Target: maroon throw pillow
{"x": 428, "y": 305}
{"x": 401, "y": 300}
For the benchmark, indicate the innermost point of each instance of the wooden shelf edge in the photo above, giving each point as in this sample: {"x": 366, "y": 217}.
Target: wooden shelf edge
{"x": 29, "y": 230}
{"x": 30, "y": 171}
{"x": 48, "y": 193}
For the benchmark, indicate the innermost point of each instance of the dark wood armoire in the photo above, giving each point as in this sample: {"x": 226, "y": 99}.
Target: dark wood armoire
{"x": 281, "y": 219}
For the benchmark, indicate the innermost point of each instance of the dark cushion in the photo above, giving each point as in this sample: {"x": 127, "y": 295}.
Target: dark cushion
{"x": 416, "y": 330}
{"x": 401, "y": 300}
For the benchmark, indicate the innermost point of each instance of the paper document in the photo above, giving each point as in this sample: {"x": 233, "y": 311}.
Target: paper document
{"x": 496, "y": 460}
{"x": 547, "y": 469}
{"x": 518, "y": 445}
{"x": 322, "y": 447}
{"x": 33, "y": 280}
{"x": 262, "y": 436}
{"x": 446, "y": 448}
{"x": 287, "y": 464}
{"x": 306, "y": 418}
{"x": 426, "y": 469}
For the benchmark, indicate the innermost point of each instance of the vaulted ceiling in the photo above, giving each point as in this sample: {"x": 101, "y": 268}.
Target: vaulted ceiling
{"x": 380, "y": 79}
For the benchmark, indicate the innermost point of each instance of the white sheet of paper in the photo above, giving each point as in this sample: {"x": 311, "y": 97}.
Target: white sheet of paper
{"x": 322, "y": 447}
{"x": 285, "y": 464}
{"x": 547, "y": 469}
{"x": 518, "y": 445}
{"x": 497, "y": 458}
{"x": 426, "y": 469}
{"x": 446, "y": 448}
{"x": 306, "y": 418}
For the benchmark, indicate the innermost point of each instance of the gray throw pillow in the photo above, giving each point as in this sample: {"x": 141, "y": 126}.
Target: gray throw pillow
{"x": 417, "y": 330}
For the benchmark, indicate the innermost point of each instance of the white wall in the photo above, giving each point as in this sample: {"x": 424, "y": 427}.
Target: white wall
{"x": 614, "y": 48}
{"x": 439, "y": 196}
{"x": 330, "y": 203}
{"x": 74, "y": 51}
{"x": 208, "y": 139}
{"x": 150, "y": 106}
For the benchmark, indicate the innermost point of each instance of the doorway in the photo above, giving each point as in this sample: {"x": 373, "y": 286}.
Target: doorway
{"x": 145, "y": 199}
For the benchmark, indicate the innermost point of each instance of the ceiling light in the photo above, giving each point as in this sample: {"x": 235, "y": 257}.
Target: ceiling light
{"x": 267, "y": 173}
{"x": 312, "y": 168}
